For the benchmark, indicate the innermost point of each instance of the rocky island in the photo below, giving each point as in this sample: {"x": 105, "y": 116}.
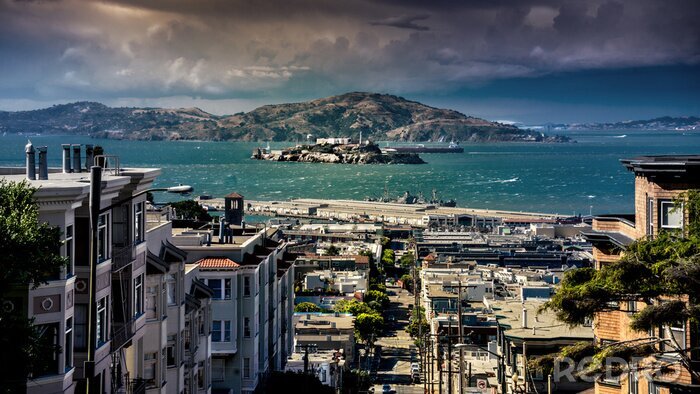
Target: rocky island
{"x": 340, "y": 153}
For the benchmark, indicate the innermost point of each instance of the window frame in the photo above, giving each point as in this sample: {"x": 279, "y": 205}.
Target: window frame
{"x": 101, "y": 316}
{"x": 138, "y": 223}
{"x": 139, "y": 308}
{"x": 70, "y": 252}
{"x": 680, "y": 210}
{"x": 104, "y": 244}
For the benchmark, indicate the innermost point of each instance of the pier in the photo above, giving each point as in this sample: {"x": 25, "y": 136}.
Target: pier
{"x": 417, "y": 215}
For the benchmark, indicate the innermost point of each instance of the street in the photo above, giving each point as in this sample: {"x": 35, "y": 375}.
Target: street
{"x": 397, "y": 346}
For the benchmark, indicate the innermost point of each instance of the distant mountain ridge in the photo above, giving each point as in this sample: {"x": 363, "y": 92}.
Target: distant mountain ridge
{"x": 377, "y": 116}
{"x": 679, "y": 123}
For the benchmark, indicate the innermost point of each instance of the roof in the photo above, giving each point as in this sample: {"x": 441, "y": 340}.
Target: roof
{"x": 613, "y": 237}
{"x": 200, "y": 289}
{"x": 156, "y": 265}
{"x": 233, "y": 195}
{"x": 177, "y": 254}
{"x": 217, "y": 263}
{"x": 670, "y": 166}
{"x": 541, "y": 326}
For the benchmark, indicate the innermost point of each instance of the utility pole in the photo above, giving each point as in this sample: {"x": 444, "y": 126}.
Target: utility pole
{"x": 449, "y": 357}
{"x": 461, "y": 332}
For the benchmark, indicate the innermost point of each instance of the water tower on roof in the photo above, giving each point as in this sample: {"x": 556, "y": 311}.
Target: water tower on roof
{"x": 233, "y": 208}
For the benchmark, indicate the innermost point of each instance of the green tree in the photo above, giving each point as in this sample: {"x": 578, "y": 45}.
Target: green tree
{"x": 661, "y": 274}
{"x": 375, "y": 295}
{"x": 388, "y": 257}
{"x": 353, "y": 307}
{"x": 368, "y": 326}
{"x": 190, "y": 210}
{"x": 417, "y": 322}
{"x": 29, "y": 255}
{"x": 407, "y": 260}
{"x": 332, "y": 251}
{"x": 378, "y": 286}
{"x": 307, "y": 307}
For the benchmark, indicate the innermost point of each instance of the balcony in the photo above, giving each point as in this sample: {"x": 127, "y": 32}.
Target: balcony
{"x": 122, "y": 257}
{"x": 122, "y": 333}
{"x": 137, "y": 386}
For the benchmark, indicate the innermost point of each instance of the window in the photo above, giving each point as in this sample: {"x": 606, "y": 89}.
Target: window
{"x": 200, "y": 375}
{"x": 69, "y": 251}
{"x": 138, "y": 223}
{"x": 163, "y": 370}
{"x": 138, "y": 295}
{"x": 221, "y": 331}
{"x": 221, "y": 287}
{"x": 172, "y": 290}
{"x": 48, "y": 341}
{"x": 246, "y": 286}
{"x": 632, "y": 307}
{"x": 149, "y": 369}
{"x": 218, "y": 369}
{"x": 650, "y": 216}
{"x": 633, "y": 381}
{"x": 171, "y": 351}
{"x": 671, "y": 215}
{"x": 152, "y": 302}
{"x": 246, "y": 327}
{"x": 677, "y": 334}
{"x": 101, "y": 329}
{"x": 246, "y": 368}
{"x": 68, "y": 346}
{"x": 103, "y": 237}
{"x": 80, "y": 316}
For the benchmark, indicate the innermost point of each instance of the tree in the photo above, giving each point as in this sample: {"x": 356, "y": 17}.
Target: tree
{"x": 407, "y": 260}
{"x": 332, "y": 251}
{"x": 375, "y": 295}
{"x": 368, "y": 326}
{"x": 388, "y": 257}
{"x": 662, "y": 274}
{"x": 307, "y": 307}
{"x": 417, "y": 322}
{"x": 190, "y": 210}
{"x": 378, "y": 286}
{"x": 29, "y": 255}
{"x": 353, "y": 307}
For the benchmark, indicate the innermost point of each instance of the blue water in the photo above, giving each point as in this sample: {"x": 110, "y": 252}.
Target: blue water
{"x": 558, "y": 178}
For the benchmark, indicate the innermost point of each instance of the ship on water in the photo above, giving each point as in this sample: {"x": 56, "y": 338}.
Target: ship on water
{"x": 408, "y": 198}
{"x": 453, "y": 147}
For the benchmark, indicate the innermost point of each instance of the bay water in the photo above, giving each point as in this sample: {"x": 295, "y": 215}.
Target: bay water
{"x": 569, "y": 178}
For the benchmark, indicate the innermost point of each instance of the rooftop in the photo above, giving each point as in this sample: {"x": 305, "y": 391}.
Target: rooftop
{"x": 217, "y": 263}
{"x": 542, "y": 326}
{"x": 671, "y": 166}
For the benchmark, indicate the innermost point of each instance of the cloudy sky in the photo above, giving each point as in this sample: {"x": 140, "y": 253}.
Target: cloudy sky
{"x": 523, "y": 60}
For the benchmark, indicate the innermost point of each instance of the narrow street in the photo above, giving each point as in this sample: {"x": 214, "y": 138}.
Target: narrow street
{"x": 398, "y": 350}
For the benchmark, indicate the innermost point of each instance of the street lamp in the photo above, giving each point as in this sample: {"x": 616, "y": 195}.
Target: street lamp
{"x": 95, "y": 211}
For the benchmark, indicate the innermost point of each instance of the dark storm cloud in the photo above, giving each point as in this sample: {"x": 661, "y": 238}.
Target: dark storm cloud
{"x": 231, "y": 49}
{"x": 403, "y": 22}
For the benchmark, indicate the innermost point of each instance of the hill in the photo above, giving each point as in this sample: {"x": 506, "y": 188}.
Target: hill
{"x": 682, "y": 123}
{"x": 377, "y": 116}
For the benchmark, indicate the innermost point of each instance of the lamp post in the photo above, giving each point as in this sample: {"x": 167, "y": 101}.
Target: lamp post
{"x": 95, "y": 211}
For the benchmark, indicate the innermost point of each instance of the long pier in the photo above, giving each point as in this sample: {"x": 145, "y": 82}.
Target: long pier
{"x": 420, "y": 215}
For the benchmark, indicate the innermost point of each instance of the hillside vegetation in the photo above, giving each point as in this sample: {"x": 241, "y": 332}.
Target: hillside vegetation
{"x": 377, "y": 116}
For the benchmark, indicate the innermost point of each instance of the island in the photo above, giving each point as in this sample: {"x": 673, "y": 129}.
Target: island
{"x": 342, "y": 151}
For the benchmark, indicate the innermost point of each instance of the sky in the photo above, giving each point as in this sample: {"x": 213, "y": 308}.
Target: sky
{"x": 529, "y": 61}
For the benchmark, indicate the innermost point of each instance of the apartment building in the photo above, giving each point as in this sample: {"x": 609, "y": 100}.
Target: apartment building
{"x": 252, "y": 307}
{"x": 141, "y": 307}
{"x": 658, "y": 180}
{"x": 60, "y": 308}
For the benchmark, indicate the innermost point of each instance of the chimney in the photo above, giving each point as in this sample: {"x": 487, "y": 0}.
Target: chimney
{"x": 89, "y": 156}
{"x": 31, "y": 162}
{"x": 43, "y": 165}
{"x": 221, "y": 230}
{"x": 306, "y": 322}
{"x": 66, "y": 158}
{"x": 524, "y": 322}
{"x": 76, "y": 158}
